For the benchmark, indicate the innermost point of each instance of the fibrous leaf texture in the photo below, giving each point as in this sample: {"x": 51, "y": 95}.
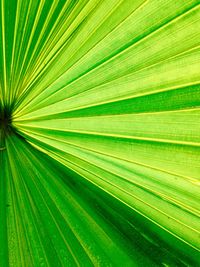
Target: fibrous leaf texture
{"x": 99, "y": 133}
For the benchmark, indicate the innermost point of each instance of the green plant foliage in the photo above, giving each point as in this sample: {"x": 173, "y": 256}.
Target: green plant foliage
{"x": 99, "y": 133}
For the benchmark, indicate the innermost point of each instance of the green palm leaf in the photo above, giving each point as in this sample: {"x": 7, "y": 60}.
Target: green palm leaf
{"x": 99, "y": 133}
